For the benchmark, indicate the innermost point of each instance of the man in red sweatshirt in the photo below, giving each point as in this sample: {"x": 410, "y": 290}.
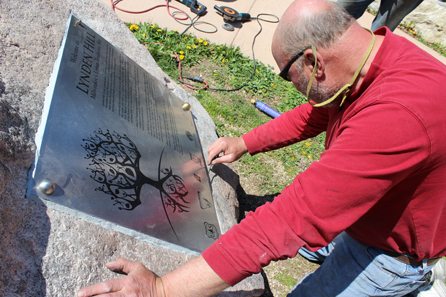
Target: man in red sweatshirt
{"x": 377, "y": 190}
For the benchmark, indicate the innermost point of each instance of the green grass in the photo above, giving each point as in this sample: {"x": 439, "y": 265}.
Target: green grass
{"x": 286, "y": 279}
{"x": 226, "y": 67}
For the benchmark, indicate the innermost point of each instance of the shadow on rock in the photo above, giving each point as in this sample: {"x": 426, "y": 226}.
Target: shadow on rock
{"x": 249, "y": 202}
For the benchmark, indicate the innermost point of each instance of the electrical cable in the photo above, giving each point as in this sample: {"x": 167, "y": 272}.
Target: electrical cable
{"x": 193, "y": 23}
{"x": 114, "y": 4}
{"x": 258, "y": 18}
{"x": 194, "y": 79}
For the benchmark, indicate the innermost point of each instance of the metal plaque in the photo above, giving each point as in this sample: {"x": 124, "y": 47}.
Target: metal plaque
{"x": 117, "y": 144}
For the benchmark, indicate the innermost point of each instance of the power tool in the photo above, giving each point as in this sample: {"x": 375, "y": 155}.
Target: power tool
{"x": 195, "y": 6}
{"x": 231, "y": 15}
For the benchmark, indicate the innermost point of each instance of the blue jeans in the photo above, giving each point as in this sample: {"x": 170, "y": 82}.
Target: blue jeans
{"x": 390, "y": 12}
{"x": 352, "y": 269}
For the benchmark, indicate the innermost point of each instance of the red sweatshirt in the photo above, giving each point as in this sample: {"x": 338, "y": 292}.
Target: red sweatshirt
{"x": 382, "y": 177}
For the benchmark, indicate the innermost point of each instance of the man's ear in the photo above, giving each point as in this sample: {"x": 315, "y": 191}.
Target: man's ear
{"x": 309, "y": 56}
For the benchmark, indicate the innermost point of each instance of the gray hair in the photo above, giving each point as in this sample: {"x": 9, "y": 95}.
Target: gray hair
{"x": 320, "y": 29}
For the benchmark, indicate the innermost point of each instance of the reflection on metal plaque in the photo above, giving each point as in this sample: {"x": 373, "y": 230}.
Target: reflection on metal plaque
{"x": 116, "y": 144}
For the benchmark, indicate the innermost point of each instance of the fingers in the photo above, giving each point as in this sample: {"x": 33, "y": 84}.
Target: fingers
{"x": 102, "y": 289}
{"x": 221, "y": 151}
{"x": 122, "y": 265}
{"x": 215, "y": 150}
{"x": 139, "y": 281}
{"x": 230, "y": 149}
{"x": 223, "y": 159}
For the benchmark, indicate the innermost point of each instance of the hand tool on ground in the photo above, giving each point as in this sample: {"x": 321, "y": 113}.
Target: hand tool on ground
{"x": 195, "y": 6}
{"x": 265, "y": 108}
{"x": 231, "y": 15}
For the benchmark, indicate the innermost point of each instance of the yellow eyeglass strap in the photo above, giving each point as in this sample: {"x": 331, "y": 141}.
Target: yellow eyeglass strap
{"x": 313, "y": 73}
{"x": 346, "y": 89}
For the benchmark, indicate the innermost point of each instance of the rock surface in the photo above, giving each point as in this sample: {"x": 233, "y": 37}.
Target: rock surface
{"x": 48, "y": 250}
{"x": 428, "y": 20}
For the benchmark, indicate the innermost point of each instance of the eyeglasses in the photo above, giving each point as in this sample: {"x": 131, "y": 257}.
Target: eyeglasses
{"x": 284, "y": 72}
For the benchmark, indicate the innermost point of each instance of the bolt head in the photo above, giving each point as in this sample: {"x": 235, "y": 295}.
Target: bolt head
{"x": 186, "y": 106}
{"x": 46, "y": 187}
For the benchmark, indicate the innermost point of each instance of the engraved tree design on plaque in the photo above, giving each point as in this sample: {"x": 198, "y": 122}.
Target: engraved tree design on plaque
{"x": 114, "y": 163}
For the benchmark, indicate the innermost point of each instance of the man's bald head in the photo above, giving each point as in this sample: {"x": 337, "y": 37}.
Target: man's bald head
{"x": 310, "y": 22}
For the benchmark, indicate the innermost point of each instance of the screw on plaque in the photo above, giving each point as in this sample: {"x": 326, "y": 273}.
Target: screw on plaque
{"x": 46, "y": 187}
{"x": 186, "y": 106}
{"x": 190, "y": 136}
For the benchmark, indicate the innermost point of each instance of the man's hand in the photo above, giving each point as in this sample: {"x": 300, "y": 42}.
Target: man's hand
{"x": 226, "y": 150}
{"x": 138, "y": 282}
{"x": 194, "y": 278}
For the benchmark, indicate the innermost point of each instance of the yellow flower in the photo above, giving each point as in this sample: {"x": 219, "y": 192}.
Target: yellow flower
{"x": 181, "y": 57}
{"x": 194, "y": 46}
{"x": 188, "y": 47}
{"x": 159, "y": 30}
{"x": 134, "y": 27}
{"x": 200, "y": 40}
{"x": 181, "y": 53}
{"x": 205, "y": 42}
{"x": 307, "y": 144}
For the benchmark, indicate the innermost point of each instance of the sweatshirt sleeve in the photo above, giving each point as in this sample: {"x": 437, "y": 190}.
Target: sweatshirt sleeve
{"x": 373, "y": 152}
{"x": 295, "y": 125}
